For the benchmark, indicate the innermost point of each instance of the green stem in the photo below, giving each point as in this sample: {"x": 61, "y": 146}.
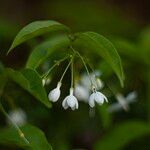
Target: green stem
{"x": 21, "y": 134}
{"x": 56, "y": 64}
{"x": 66, "y": 70}
{"x": 84, "y": 63}
{"x": 72, "y": 73}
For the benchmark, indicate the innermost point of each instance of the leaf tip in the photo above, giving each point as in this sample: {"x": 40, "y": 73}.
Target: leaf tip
{"x": 9, "y": 50}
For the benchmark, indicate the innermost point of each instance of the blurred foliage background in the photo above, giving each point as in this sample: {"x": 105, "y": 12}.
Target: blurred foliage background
{"x": 127, "y": 25}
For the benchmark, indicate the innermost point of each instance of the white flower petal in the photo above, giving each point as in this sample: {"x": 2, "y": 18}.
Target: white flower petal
{"x": 77, "y": 105}
{"x": 73, "y": 108}
{"x": 99, "y": 98}
{"x": 131, "y": 96}
{"x": 64, "y": 103}
{"x": 54, "y": 95}
{"x": 70, "y": 101}
{"x": 18, "y": 116}
{"x": 85, "y": 81}
{"x": 81, "y": 93}
{"x": 92, "y": 100}
{"x": 102, "y": 95}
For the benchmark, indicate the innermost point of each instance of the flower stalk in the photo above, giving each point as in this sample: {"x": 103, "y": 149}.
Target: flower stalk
{"x": 21, "y": 134}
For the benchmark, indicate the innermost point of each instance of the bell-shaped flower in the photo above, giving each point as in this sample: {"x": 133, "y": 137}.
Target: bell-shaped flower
{"x": 97, "y": 97}
{"x": 55, "y": 93}
{"x": 70, "y": 101}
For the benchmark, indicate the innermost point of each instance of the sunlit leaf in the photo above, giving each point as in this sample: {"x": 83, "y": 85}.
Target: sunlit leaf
{"x": 36, "y": 138}
{"x": 103, "y": 47}
{"x": 122, "y": 134}
{"x": 42, "y": 51}
{"x": 30, "y": 81}
{"x": 35, "y": 29}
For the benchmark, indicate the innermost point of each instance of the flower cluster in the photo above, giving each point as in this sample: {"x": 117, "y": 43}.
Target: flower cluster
{"x": 72, "y": 102}
{"x": 80, "y": 91}
{"x": 83, "y": 86}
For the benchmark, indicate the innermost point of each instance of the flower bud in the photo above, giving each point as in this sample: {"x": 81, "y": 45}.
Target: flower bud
{"x": 55, "y": 93}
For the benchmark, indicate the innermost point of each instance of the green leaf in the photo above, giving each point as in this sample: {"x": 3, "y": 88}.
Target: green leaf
{"x": 30, "y": 81}
{"x": 122, "y": 134}
{"x": 42, "y": 51}
{"x": 103, "y": 47}
{"x": 36, "y": 138}
{"x": 35, "y": 29}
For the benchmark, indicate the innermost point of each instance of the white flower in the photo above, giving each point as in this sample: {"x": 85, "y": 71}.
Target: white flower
{"x": 97, "y": 97}
{"x": 95, "y": 77}
{"x": 55, "y": 93}
{"x": 131, "y": 97}
{"x": 18, "y": 116}
{"x": 123, "y": 102}
{"x": 81, "y": 92}
{"x": 70, "y": 101}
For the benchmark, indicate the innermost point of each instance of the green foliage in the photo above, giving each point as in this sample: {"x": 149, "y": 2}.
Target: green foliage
{"x": 122, "y": 134}
{"x": 103, "y": 47}
{"x": 35, "y": 29}
{"x": 43, "y": 51}
{"x": 30, "y": 81}
{"x": 36, "y": 138}
{"x": 90, "y": 40}
{"x": 45, "y": 46}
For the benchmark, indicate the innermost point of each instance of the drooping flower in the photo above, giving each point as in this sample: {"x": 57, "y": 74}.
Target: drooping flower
{"x": 55, "y": 93}
{"x": 97, "y": 97}
{"x": 70, "y": 101}
{"x": 81, "y": 92}
{"x": 95, "y": 77}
